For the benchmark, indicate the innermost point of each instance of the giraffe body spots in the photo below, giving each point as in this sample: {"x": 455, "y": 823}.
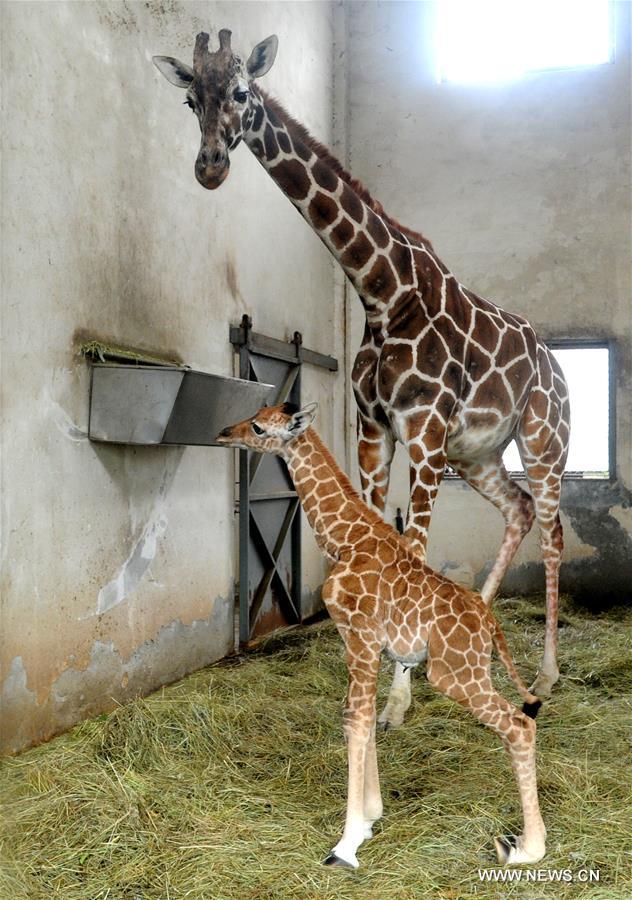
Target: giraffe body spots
{"x": 342, "y": 233}
{"x": 377, "y": 231}
{"x": 357, "y": 253}
{"x": 270, "y": 143}
{"x": 322, "y": 211}
{"x": 402, "y": 259}
{"x": 325, "y": 176}
{"x": 292, "y": 178}
{"x": 351, "y": 203}
{"x": 380, "y": 281}
{"x": 284, "y": 141}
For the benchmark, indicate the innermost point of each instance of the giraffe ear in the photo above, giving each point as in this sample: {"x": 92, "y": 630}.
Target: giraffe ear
{"x": 261, "y": 59}
{"x": 176, "y": 72}
{"x": 302, "y": 419}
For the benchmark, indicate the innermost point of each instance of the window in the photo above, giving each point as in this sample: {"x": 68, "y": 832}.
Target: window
{"x": 496, "y": 40}
{"x": 587, "y": 372}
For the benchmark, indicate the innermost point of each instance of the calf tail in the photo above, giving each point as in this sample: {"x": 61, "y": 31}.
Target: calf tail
{"x": 532, "y": 703}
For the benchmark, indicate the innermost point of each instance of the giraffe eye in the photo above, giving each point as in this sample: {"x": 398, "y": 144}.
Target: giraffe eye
{"x": 257, "y": 429}
{"x": 190, "y": 104}
{"x": 241, "y": 96}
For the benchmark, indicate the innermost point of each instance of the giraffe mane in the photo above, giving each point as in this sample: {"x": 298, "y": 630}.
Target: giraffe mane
{"x": 302, "y": 134}
{"x": 368, "y": 514}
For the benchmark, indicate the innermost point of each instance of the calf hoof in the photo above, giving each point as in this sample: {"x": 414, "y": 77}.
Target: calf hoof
{"x": 510, "y": 852}
{"x": 339, "y": 862}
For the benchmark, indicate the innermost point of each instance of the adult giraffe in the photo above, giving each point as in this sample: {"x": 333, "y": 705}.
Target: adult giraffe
{"x": 448, "y": 374}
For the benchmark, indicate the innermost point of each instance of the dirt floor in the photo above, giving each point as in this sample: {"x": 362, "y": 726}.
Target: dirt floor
{"x": 231, "y": 783}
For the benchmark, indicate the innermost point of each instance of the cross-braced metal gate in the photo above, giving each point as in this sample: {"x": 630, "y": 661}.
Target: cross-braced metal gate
{"x": 269, "y": 522}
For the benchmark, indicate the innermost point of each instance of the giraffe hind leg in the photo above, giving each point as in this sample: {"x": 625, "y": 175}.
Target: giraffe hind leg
{"x": 546, "y": 489}
{"x": 462, "y": 682}
{"x": 491, "y": 480}
{"x": 542, "y": 439}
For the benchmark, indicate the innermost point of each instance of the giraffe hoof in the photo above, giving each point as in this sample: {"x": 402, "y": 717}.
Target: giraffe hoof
{"x": 391, "y": 719}
{"x": 511, "y": 852}
{"x": 338, "y": 862}
{"x": 504, "y": 845}
{"x": 543, "y": 685}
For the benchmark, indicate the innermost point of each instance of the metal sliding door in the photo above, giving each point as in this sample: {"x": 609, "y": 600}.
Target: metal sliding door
{"x": 270, "y": 578}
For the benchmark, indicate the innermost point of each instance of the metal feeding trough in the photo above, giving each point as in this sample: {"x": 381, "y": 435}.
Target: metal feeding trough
{"x": 136, "y": 404}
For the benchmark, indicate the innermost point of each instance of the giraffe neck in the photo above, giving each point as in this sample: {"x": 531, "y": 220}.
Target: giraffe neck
{"x": 330, "y": 501}
{"x": 374, "y": 253}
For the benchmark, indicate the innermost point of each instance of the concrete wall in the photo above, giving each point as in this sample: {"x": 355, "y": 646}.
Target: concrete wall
{"x": 524, "y": 190}
{"x": 106, "y": 230}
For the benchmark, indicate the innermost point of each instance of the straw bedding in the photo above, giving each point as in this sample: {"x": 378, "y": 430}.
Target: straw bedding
{"x": 231, "y": 783}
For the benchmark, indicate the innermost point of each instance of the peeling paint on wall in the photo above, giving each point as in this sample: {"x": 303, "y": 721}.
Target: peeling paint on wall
{"x": 63, "y": 423}
{"x": 109, "y": 678}
{"x": 134, "y": 567}
{"x": 144, "y": 550}
{"x": 599, "y": 513}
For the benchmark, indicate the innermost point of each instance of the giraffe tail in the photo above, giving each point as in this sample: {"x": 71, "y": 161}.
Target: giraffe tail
{"x": 531, "y": 703}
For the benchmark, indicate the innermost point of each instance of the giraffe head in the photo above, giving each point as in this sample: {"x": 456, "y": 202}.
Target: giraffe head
{"x": 218, "y": 92}
{"x": 271, "y": 429}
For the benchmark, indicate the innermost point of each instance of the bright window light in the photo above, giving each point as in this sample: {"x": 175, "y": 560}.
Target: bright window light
{"x": 498, "y": 40}
{"x": 586, "y": 370}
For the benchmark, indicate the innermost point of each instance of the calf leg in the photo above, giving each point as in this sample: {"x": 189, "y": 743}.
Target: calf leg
{"x": 363, "y": 801}
{"x": 373, "y": 807}
{"x": 517, "y": 732}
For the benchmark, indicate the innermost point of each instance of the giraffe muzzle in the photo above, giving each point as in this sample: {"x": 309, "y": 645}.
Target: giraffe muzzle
{"x": 211, "y": 167}
{"x": 225, "y": 435}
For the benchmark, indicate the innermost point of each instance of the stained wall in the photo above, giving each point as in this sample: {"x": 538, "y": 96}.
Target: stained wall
{"x": 119, "y": 564}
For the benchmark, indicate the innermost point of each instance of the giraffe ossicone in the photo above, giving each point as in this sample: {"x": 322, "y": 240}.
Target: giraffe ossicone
{"x": 383, "y": 597}
{"x": 450, "y": 375}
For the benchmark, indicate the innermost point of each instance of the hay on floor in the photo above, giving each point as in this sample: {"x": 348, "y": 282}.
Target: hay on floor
{"x": 231, "y": 783}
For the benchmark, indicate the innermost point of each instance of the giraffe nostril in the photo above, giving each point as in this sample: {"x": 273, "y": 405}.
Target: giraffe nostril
{"x": 217, "y": 157}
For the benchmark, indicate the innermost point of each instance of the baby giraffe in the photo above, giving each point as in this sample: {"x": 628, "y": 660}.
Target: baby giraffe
{"x": 382, "y": 596}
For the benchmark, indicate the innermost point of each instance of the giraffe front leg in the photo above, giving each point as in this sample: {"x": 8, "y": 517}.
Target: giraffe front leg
{"x": 376, "y": 447}
{"x": 359, "y": 726}
{"x": 373, "y": 806}
{"x": 427, "y": 466}
{"x": 426, "y": 471}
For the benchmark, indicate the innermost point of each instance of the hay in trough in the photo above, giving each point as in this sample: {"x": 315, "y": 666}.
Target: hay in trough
{"x": 231, "y": 783}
